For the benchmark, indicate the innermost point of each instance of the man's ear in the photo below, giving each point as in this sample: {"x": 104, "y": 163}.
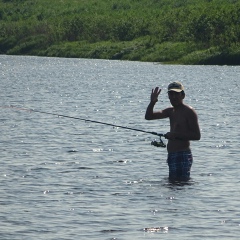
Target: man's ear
{"x": 183, "y": 94}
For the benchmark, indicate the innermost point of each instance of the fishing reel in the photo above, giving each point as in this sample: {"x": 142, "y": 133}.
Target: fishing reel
{"x": 159, "y": 143}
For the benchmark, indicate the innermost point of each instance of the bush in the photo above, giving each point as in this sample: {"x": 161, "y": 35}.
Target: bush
{"x": 146, "y": 30}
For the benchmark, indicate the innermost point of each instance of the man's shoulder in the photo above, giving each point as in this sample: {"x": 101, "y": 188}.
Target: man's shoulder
{"x": 168, "y": 110}
{"x": 188, "y": 107}
{"x": 189, "y": 110}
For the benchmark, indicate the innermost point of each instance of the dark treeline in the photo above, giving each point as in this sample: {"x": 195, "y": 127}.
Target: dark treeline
{"x": 174, "y": 31}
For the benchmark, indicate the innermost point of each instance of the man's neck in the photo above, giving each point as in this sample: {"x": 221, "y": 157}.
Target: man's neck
{"x": 179, "y": 106}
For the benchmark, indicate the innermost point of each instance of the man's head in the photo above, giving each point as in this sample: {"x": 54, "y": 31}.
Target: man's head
{"x": 176, "y": 93}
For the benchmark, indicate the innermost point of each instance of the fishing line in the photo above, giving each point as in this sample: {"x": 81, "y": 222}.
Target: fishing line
{"x": 156, "y": 143}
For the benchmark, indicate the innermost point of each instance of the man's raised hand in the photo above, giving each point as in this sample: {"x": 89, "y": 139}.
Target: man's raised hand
{"x": 155, "y": 93}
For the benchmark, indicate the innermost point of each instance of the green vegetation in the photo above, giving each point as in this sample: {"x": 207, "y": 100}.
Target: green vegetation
{"x": 169, "y": 31}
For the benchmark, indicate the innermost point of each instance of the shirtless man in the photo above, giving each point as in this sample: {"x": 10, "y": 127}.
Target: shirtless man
{"x": 183, "y": 128}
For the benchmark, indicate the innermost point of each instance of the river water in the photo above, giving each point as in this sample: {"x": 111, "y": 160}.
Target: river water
{"x": 64, "y": 178}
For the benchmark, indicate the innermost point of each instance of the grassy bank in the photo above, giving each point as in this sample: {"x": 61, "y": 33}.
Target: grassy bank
{"x": 169, "y": 31}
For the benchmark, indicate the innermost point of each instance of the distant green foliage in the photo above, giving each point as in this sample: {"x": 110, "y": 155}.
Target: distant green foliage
{"x": 180, "y": 31}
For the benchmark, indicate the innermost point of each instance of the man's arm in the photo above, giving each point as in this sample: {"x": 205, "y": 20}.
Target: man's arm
{"x": 150, "y": 114}
{"x": 194, "y": 129}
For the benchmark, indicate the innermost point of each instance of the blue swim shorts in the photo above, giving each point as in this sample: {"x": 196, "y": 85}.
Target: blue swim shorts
{"x": 179, "y": 164}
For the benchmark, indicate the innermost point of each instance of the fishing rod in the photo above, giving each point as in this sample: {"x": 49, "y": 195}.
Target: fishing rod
{"x": 156, "y": 143}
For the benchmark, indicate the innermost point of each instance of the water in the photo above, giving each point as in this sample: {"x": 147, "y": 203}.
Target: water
{"x": 63, "y": 178}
